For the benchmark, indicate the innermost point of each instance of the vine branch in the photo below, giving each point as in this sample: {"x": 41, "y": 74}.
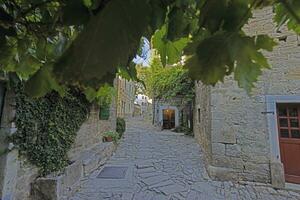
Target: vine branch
{"x": 289, "y": 8}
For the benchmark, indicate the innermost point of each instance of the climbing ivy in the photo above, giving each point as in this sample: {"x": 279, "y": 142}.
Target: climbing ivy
{"x": 47, "y": 127}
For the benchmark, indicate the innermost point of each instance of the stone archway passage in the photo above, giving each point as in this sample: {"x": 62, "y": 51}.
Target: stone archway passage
{"x": 165, "y": 166}
{"x": 168, "y": 118}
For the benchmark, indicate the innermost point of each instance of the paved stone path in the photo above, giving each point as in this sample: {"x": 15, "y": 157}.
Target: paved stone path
{"x": 165, "y": 165}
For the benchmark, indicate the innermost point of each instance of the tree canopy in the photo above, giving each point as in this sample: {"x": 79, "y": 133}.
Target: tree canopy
{"x": 51, "y": 44}
{"x": 166, "y": 82}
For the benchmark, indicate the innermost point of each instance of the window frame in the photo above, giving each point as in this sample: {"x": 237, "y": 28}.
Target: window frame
{"x": 287, "y": 107}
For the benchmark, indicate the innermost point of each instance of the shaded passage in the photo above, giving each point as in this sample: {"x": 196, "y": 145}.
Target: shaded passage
{"x": 158, "y": 165}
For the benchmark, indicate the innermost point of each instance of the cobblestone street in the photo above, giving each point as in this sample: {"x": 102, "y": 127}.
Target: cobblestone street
{"x": 164, "y": 165}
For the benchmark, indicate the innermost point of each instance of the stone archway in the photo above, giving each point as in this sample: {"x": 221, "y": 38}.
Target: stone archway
{"x": 161, "y": 114}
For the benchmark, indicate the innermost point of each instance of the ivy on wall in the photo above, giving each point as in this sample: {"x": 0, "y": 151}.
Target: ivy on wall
{"x": 47, "y": 127}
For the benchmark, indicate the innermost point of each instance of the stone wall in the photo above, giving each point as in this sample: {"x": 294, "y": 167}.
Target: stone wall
{"x": 26, "y": 175}
{"x": 202, "y": 117}
{"x": 240, "y": 143}
{"x": 9, "y": 158}
{"x": 18, "y": 176}
{"x": 125, "y": 97}
{"x": 92, "y": 130}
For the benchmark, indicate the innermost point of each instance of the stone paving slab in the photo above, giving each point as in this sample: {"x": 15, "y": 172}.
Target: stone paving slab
{"x": 163, "y": 165}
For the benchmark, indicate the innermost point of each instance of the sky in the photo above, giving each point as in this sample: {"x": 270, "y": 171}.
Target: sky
{"x": 144, "y": 59}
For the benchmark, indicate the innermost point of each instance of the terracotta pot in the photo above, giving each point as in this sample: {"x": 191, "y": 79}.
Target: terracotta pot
{"x": 107, "y": 139}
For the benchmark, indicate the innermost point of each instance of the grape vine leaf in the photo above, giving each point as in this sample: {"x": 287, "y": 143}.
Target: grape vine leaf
{"x": 178, "y": 26}
{"x": 226, "y": 52}
{"x": 43, "y": 82}
{"x": 108, "y": 41}
{"x": 170, "y": 52}
{"x": 75, "y": 12}
{"x": 159, "y": 12}
{"x": 283, "y": 15}
{"x": 212, "y": 14}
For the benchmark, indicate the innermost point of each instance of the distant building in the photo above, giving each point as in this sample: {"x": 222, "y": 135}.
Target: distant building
{"x": 137, "y": 110}
{"x": 144, "y": 101}
{"x": 125, "y": 97}
{"x": 173, "y": 113}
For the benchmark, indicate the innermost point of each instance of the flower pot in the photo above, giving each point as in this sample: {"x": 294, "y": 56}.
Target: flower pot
{"x": 107, "y": 139}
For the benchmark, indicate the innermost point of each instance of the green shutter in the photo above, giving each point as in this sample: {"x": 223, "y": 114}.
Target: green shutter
{"x": 104, "y": 113}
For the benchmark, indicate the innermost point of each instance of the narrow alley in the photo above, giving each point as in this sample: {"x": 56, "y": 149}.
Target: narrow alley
{"x": 157, "y": 165}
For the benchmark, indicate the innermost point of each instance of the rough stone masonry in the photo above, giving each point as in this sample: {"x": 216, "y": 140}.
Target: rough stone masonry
{"x": 232, "y": 127}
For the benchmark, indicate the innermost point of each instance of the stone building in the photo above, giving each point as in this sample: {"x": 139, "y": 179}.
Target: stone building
{"x": 137, "y": 110}
{"x": 19, "y": 179}
{"x": 144, "y": 101}
{"x": 256, "y": 137}
{"x": 172, "y": 113}
{"x": 125, "y": 97}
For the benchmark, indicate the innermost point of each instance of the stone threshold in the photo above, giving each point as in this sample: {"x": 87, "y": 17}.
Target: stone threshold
{"x": 60, "y": 187}
{"x": 288, "y": 186}
{"x": 292, "y": 187}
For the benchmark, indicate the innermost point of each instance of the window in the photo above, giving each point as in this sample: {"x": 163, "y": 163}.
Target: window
{"x": 199, "y": 116}
{"x": 288, "y": 120}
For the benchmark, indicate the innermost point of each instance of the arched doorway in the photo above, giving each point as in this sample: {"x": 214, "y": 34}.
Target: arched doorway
{"x": 168, "y": 118}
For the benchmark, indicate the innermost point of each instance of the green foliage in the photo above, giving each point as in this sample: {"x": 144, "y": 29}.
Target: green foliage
{"x": 103, "y": 96}
{"x": 226, "y": 52}
{"x": 33, "y": 34}
{"x": 129, "y": 73}
{"x": 288, "y": 11}
{"x": 170, "y": 52}
{"x": 41, "y": 82}
{"x": 85, "y": 42}
{"x": 167, "y": 82}
{"x": 114, "y": 135}
{"x": 121, "y": 126}
{"x": 183, "y": 129}
{"x": 4, "y": 151}
{"x": 47, "y": 127}
{"x": 109, "y": 40}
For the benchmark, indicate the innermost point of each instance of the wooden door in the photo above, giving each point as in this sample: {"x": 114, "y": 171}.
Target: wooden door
{"x": 289, "y": 140}
{"x": 168, "y": 119}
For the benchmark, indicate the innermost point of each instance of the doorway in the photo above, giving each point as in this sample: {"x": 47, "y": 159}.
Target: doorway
{"x": 168, "y": 118}
{"x": 288, "y": 120}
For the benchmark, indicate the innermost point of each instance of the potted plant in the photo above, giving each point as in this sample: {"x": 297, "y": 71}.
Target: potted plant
{"x": 111, "y": 136}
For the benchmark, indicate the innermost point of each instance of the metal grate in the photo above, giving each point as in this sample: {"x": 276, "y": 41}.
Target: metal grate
{"x": 113, "y": 173}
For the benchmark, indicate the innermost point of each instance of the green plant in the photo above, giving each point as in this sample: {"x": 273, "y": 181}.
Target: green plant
{"x": 3, "y": 152}
{"x": 114, "y": 135}
{"x": 103, "y": 96}
{"x": 121, "y": 126}
{"x": 183, "y": 129}
{"x": 47, "y": 127}
{"x": 79, "y": 42}
{"x": 166, "y": 82}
